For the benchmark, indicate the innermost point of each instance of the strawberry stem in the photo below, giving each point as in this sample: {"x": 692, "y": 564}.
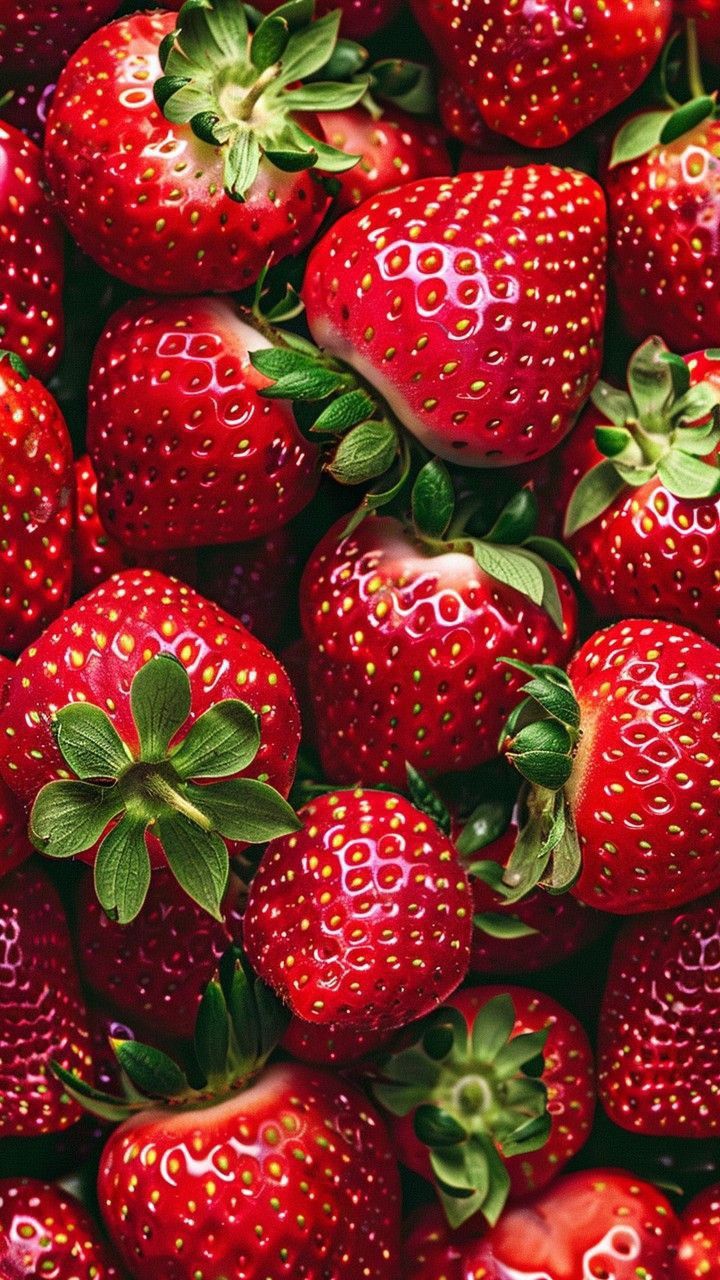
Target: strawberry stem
{"x": 695, "y": 80}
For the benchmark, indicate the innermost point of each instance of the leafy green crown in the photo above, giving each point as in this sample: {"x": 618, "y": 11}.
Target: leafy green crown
{"x": 170, "y": 788}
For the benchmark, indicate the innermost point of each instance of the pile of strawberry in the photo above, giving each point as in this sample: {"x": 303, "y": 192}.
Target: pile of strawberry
{"x": 360, "y": 640}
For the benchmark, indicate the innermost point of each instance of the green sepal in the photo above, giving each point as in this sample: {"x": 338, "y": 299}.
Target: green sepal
{"x": 269, "y": 41}
{"x": 547, "y": 836}
{"x": 436, "y": 1128}
{"x": 325, "y": 96}
{"x": 595, "y": 492}
{"x": 212, "y": 1033}
{"x": 103, "y": 1105}
{"x": 365, "y": 453}
{"x": 312, "y": 382}
{"x": 17, "y": 364}
{"x": 638, "y": 136}
{"x": 487, "y": 822}
{"x": 517, "y": 520}
{"x": 160, "y": 704}
{"x": 387, "y": 490}
{"x": 89, "y": 742}
{"x": 198, "y": 860}
{"x": 409, "y": 85}
{"x": 427, "y": 800}
{"x": 347, "y": 411}
{"x": 503, "y": 928}
{"x": 687, "y": 476}
{"x": 686, "y": 117}
{"x": 152, "y": 1072}
{"x": 492, "y": 1027}
{"x": 244, "y": 809}
{"x": 529, "y": 1137}
{"x": 550, "y": 688}
{"x": 224, "y": 740}
{"x": 491, "y": 873}
{"x": 518, "y": 1051}
{"x": 122, "y": 870}
{"x": 70, "y": 817}
{"x": 433, "y": 499}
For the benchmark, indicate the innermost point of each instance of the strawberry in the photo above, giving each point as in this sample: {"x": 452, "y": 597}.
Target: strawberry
{"x": 185, "y": 449}
{"x": 405, "y": 631}
{"x": 47, "y": 1233}
{"x": 433, "y": 1251}
{"x": 663, "y": 190}
{"x": 621, "y": 757}
{"x": 153, "y": 971}
{"x": 257, "y": 1172}
{"x": 25, "y": 107}
{"x": 363, "y": 917}
{"x": 332, "y": 1045}
{"x": 541, "y": 74}
{"x": 37, "y": 509}
{"x": 97, "y": 556}
{"x": 197, "y": 198}
{"x": 659, "y": 1039}
{"x": 699, "y": 1252}
{"x": 360, "y": 18}
{"x": 134, "y": 691}
{"x": 492, "y": 1099}
{"x": 254, "y": 581}
{"x": 484, "y": 348}
{"x": 38, "y": 36}
{"x": 706, "y": 14}
{"x": 394, "y": 149}
{"x": 32, "y": 260}
{"x": 459, "y": 115}
{"x": 42, "y": 1012}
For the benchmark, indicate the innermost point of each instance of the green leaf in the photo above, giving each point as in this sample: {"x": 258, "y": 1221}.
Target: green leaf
{"x": 697, "y": 410}
{"x": 686, "y": 117}
{"x": 245, "y": 809}
{"x": 297, "y": 13}
{"x": 427, "y": 800}
{"x": 612, "y": 440}
{"x": 269, "y": 41}
{"x": 551, "y": 601}
{"x": 240, "y": 1000}
{"x": 552, "y": 690}
{"x": 326, "y": 96}
{"x": 242, "y": 161}
{"x": 17, "y": 365}
{"x": 89, "y": 742}
{"x": 504, "y": 928}
{"x": 511, "y": 568}
{"x": 614, "y": 404}
{"x": 160, "y": 703}
{"x": 278, "y": 362}
{"x": 433, "y": 499}
{"x": 533, "y": 849}
{"x": 638, "y": 136}
{"x": 198, "y": 860}
{"x": 227, "y": 26}
{"x": 409, "y": 85}
{"x": 223, "y": 741}
{"x": 122, "y": 870}
{"x": 437, "y": 1128}
{"x": 382, "y": 494}
{"x": 516, "y": 521}
{"x": 499, "y": 1188}
{"x": 485, "y": 825}
{"x": 492, "y": 1027}
{"x": 311, "y": 49}
{"x": 345, "y": 412}
{"x": 542, "y": 753}
{"x": 650, "y": 381}
{"x": 93, "y": 1100}
{"x": 70, "y": 817}
{"x": 399, "y": 1099}
{"x": 455, "y": 1172}
{"x": 517, "y": 1051}
{"x": 679, "y": 371}
{"x": 312, "y": 383}
{"x": 291, "y": 159}
{"x": 366, "y": 452}
{"x": 412, "y": 1066}
{"x": 566, "y": 856}
{"x": 491, "y": 873}
{"x": 212, "y": 1034}
{"x": 151, "y": 1070}
{"x": 347, "y": 60}
{"x": 597, "y": 490}
{"x": 688, "y": 477}
{"x": 330, "y": 159}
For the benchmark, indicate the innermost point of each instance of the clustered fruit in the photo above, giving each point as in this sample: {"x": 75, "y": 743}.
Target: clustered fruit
{"x": 360, "y": 640}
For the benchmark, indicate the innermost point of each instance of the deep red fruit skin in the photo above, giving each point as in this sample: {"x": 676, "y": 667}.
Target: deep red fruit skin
{"x": 254, "y": 581}
{"x": 699, "y": 1253}
{"x": 97, "y": 555}
{"x": 540, "y": 73}
{"x": 45, "y": 1232}
{"x": 707, "y": 19}
{"x": 42, "y": 1014}
{"x": 433, "y": 1251}
{"x": 360, "y": 18}
{"x": 363, "y": 918}
{"x": 475, "y": 304}
{"x": 650, "y": 553}
{"x": 32, "y": 258}
{"x": 659, "y": 1026}
{"x": 154, "y": 970}
{"x": 37, "y": 509}
{"x": 643, "y": 791}
{"x": 38, "y": 36}
{"x": 185, "y": 448}
{"x": 331, "y": 1046}
{"x": 459, "y": 115}
{"x": 563, "y": 926}
{"x": 664, "y": 212}
{"x": 294, "y": 1176}
{"x": 568, "y": 1074}
{"x": 112, "y": 162}
{"x": 14, "y": 844}
{"x": 93, "y": 652}
{"x": 403, "y": 653}
{"x": 397, "y": 148}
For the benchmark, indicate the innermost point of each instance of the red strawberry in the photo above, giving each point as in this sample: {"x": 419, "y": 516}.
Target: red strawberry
{"x": 664, "y": 208}
{"x": 699, "y": 1252}
{"x": 404, "y": 646}
{"x": 541, "y": 73}
{"x": 394, "y": 149}
{"x": 363, "y": 917}
{"x": 253, "y": 581}
{"x": 333, "y": 1045}
{"x": 37, "y": 509}
{"x": 706, "y": 14}
{"x": 142, "y": 689}
{"x": 40, "y": 35}
{"x": 185, "y": 448}
{"x": 42, "y": 1014}
{"x": 199, "y": 198}
{"x": 659, "y": 1038}
{"x": 154, "y": 970}
{"x": 253, "y": 1175}
{"x": 360, "y": 18}
{"x": 32, "y": 260}
{"x": 622, "y": 756}
{"x": 643, "y": 515}
{"x": 493, "y": 1099}
{"x": 474, "y": 304}
{"x": 46, "y": 1234}
{"x": 433, "y": 1251}
{"x": 459, "y": 115}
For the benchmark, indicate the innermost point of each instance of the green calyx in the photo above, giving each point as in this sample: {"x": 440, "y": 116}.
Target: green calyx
{"x": 238, "y": 83}
{"x": 660, "y": 427}
{"x": 476, "y": 1097}
{"x": 540, "y": 739}
{"x": 181, "y": 789}
{"x": 17, "y": 364}
{"x": 238, "y": 1025}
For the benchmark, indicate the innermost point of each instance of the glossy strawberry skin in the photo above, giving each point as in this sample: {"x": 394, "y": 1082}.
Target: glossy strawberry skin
{"x": 332, "y": 1045}
{"x": 37, "y": 509}
{"x": 38, "y": 36}
{"x": 293, "y": 1176}
{"x": 659, "y": 1038}
{"x": 539, "y": 73}
{"x": 253, "y": 581}
{"x": 433, "y": 1251}
{"x": 125, "y": 212}
{"x": 154, "y": 970}
{"x": 457, "y": 298}
{"x": 94, "y": 650}
{"x": 32, "y": 258}
{"x": 388, "y": 939}
{"x": 44, "y": 1231}
{"x": 186, "y": 450}
{"x": 360, "y": 18}
{"x": 568, "y": 1074}
{"x": 395, "y": 149}
{"x": 699, "y": 1253}
{"x": 403, "y": 651}
{"x": 664, "y": 211}
{"x": 42, "y": 1014}
{"x": 642, "y": 792}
